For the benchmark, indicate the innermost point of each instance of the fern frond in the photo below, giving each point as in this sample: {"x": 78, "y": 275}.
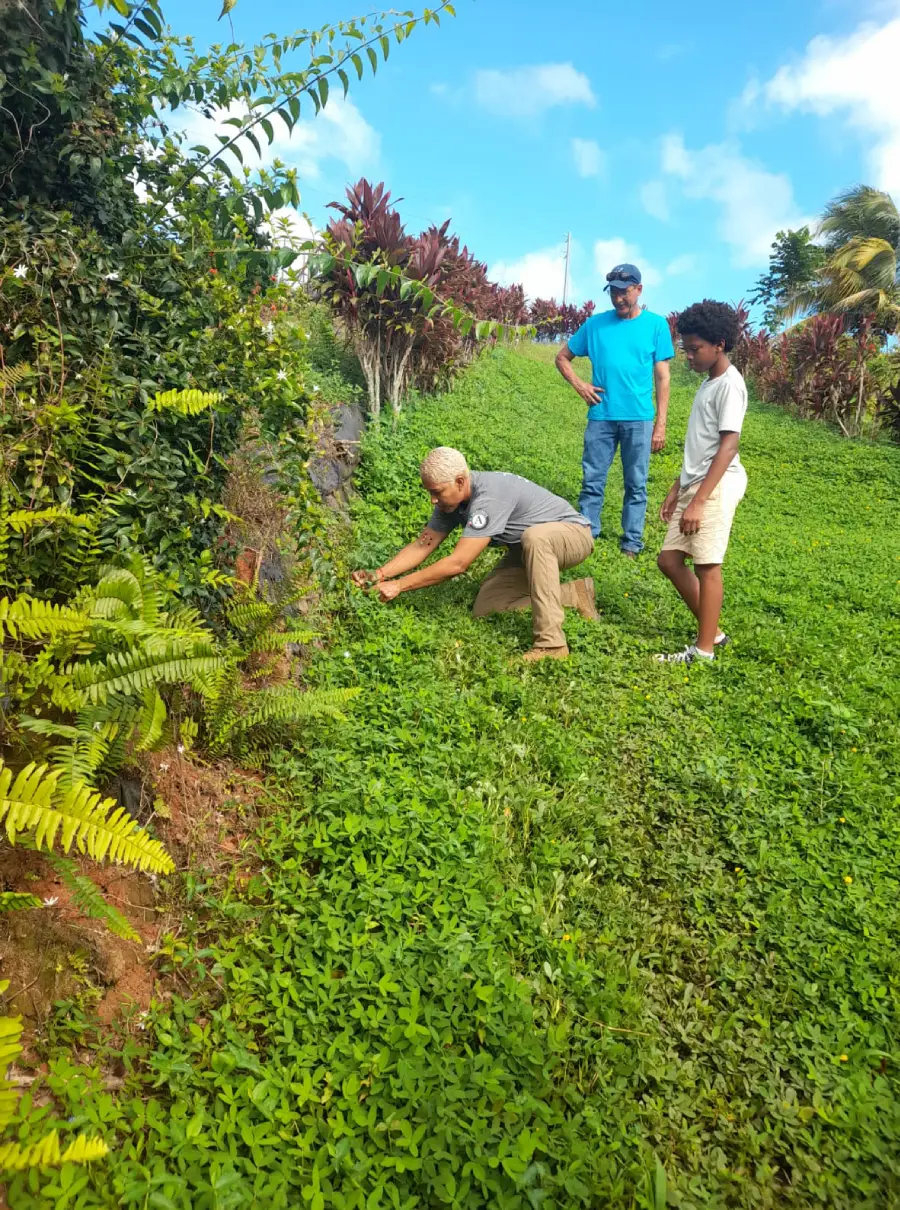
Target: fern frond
{"x": 184, "y": 403}
{"x": 248, "y": 616}
{"x": 10, "y": 1032}
{"x": 16, "y": 901}
{"x": 276, "y": 640}
{"x": 32, "y": 619}
{"x": 25, "y": 519}
{"x": 11, "y": 376}
{"x": 152, "y": 721}
{"x": 282, "y": 706}
{"x": 79, "y": 816}
{"x": 87, "y": 898}
{"x": 48, "y": 1154}
{"x": 140, "y": 669}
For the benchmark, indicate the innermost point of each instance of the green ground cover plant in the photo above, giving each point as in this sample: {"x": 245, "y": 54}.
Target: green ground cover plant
{"x": 594, "y": 933}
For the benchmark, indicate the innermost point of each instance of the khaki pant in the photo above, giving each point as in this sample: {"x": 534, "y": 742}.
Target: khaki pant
{"x": 529, "y": 575}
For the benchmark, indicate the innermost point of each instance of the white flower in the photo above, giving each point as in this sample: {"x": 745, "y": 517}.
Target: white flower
{"x": 180, "y": 749}
{"x": 281, "y": 375}
{"x": 164, "y": 766}
{"x": 52, "y": 901}
{"x": 112, "y": 276}
{"x": 346, "y": 655}
{"x": 315, "y": 389}
{"x": 20, "y": 271}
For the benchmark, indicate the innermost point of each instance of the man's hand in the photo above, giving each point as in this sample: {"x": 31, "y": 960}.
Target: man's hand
{"x": 692, "y": 516}
{"x": 588, "y": 392}
{"x": 658, "y": 440}
{"x": 668, "y": 506}
{"x": 363, "y": 579}
{"x": 389, "y": 589}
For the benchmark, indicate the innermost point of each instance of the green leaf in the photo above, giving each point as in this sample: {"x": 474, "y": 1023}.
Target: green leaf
{"x": 373, "y": 59}
{"x": 323, "y": 91}
{"x": 342, "y": 76}
{"x": 358, "y": 64}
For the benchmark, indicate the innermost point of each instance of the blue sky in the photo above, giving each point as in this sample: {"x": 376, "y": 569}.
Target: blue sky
{"x": 680, "y": 140}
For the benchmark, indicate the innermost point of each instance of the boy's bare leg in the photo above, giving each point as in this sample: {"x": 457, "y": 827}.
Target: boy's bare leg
{"x": 709, "y": 578}
{"x": 673, "y": 566}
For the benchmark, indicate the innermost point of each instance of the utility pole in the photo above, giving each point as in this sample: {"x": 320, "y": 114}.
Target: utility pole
{"x": 566, "y": 273}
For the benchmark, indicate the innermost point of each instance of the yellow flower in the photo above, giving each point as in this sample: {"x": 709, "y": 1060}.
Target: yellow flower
{"x": 847, "y": 879}
{"x": 507, "y": 812}
{"x": 567, "y": 936}
{"x": 738, "y": 869}
{"x": 626, "y": 594}
{"x": 842, "y": 820}
{"x": 843, "y": 1058}
{"x": 852, "y": 749}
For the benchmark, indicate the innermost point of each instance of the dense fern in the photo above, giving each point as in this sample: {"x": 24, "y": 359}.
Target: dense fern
{"x": 77, "y": 816}
{"x": 16, "y": 901}
{"x": 10, "y": 1033}
{"x": 184, "y": 403}
{"x": 86, "y": 897}
{"x": 234, "y": 714}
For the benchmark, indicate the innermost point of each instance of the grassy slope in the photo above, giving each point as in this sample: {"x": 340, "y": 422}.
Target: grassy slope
{"x": 490, "y": 865}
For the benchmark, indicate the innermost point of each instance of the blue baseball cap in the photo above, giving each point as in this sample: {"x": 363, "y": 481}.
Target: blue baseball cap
{"x": 622, "y": 277}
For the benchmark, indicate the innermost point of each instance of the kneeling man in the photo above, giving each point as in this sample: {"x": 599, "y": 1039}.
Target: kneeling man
{"x": 542, "y": 532}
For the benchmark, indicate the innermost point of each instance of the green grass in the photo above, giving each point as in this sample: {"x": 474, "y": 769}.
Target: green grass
{"x": 575, "y": 935}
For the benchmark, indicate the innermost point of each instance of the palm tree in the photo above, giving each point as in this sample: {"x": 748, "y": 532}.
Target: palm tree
{"x": 861, "y": 275}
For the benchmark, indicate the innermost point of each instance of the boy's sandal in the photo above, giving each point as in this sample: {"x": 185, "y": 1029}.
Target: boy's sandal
{"x": 722, "y": 641}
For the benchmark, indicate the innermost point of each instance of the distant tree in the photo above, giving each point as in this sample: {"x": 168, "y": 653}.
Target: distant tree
{"x": 795, "y": 263}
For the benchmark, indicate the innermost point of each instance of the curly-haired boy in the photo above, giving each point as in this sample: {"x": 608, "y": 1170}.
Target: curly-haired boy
{"x": 701, "y": 503}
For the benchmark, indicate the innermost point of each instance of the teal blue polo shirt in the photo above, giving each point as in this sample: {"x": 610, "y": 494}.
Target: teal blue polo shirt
{"x": 623, "y": 353}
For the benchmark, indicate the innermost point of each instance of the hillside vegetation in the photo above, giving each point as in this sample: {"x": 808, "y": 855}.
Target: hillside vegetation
{"x": 594, "y": 933}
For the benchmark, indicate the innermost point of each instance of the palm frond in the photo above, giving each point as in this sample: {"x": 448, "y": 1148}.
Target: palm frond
{"x": 276, "y": 640}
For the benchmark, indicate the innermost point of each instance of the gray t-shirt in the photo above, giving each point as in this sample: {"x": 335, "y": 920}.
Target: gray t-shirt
{"x": 502, "y": 507}
{"x": 719, "y": 407}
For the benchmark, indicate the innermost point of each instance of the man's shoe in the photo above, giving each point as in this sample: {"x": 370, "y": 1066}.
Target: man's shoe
{"x": 629, "y": 554}
{"x": 584, "y": 599}
{"x": 545, "y": 653}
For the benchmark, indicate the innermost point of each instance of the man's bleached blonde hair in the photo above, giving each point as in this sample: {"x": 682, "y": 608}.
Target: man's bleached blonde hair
{"x": 442, "y": 465}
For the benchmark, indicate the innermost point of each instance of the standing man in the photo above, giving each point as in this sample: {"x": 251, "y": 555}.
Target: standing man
{"x": 543, "y": 534}
{"x": 629, "y": 350}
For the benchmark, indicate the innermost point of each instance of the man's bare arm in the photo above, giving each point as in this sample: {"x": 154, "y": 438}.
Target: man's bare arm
{"x": 459, "y": 560}
{"x": 588, "y": 392}
{"x": 661, "y": 383}
{"x": 404, "y": 560}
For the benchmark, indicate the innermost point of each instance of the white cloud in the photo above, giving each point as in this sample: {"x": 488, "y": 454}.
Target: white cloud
{"x": 540, "y": 273}
{"x": 589, "y": 159}
{"x": 611, "y": 252}
{"x": 853, "y": 77}
{"x": 338, "y": 132}
{"x": 655, "y": 200}
{"x": 755, "y": 204}
{"x": 686, "y": 263}
{"x": 526, "y": 92}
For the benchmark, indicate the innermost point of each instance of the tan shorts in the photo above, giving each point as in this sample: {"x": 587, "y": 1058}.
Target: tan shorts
{"x": 709, "y": 543}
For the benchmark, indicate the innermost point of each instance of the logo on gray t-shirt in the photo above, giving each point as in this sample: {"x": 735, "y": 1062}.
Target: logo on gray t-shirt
{"x": 502, "y": 507}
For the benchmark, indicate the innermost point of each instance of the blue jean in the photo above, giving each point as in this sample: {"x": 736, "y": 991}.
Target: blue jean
{"x": 601, "y": 438}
